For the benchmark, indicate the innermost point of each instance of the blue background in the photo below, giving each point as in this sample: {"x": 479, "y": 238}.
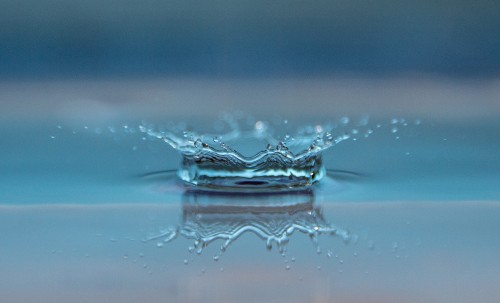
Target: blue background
{"x": 57, "y": 38}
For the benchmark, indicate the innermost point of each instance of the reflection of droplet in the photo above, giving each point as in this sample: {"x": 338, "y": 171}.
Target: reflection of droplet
{"x": 274, "y": 218}
{"x": 371, "y": 245}
{"x": 395, "y": 246}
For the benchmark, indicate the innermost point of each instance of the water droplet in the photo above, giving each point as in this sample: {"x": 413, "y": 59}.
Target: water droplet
{"x": 259, "y": 125}
{"x": 363, "y": 121}
{"x": 329, "y": 136}
{"x": 216, "y": 258}
{"x": 185, "y": 262}
{"x": 394, "y": 130}
{"x": 287, "y": 267}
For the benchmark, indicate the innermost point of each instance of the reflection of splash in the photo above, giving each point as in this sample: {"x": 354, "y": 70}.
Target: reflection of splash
{"x": 274, "y": 218}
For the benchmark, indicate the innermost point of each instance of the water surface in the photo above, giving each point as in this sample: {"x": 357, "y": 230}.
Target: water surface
{"x": 81, "y": 195}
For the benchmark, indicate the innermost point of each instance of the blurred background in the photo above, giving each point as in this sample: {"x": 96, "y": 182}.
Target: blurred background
{"x": 247, "y": 38}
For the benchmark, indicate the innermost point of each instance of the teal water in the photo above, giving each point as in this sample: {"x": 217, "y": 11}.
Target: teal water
{"x": 437, "y": 160}
{"x": 91, "y": 210}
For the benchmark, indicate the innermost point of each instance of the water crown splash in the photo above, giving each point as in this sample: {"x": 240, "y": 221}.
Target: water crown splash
{"x": 231, "y": 162}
